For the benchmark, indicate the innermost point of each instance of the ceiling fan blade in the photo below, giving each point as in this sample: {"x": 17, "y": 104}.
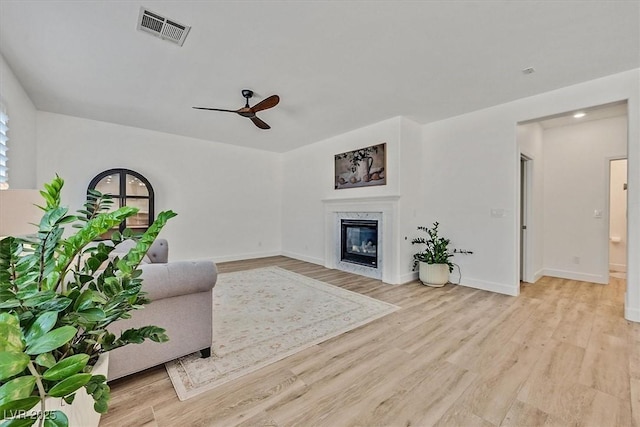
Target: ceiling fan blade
{"x": 266, "y": 103}
{"x": 262, "y": 125}
{"x": 246, "y": 112}
{"x": 215, "y": 109}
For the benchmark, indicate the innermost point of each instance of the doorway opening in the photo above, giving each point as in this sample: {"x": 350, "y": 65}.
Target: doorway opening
{"x": 618, "y": 218}
{"x": 565, "y": 161}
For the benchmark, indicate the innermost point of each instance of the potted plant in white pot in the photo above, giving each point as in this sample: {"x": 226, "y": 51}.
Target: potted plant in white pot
{"x": 57, "y": 296}
{"x": 433, "y": 261}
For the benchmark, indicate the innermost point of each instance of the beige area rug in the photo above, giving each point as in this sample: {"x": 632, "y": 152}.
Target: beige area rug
{"x": 264, "y": 315}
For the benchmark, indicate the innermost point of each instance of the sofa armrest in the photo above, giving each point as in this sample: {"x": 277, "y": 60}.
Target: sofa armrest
{"x": 177, "y": 278}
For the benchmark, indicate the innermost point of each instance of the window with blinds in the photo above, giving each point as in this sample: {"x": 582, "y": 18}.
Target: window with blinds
{"x": 4, "y": 138}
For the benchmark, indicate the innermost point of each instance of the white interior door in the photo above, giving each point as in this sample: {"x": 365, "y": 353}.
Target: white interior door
{"x": 524, "y": 208}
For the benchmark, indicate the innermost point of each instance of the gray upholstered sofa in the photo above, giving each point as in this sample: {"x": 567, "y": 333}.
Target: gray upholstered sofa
{"x": 181, "y": 294}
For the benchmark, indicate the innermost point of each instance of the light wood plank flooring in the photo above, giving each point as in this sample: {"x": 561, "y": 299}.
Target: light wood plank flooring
{"x": 560, "y": 354}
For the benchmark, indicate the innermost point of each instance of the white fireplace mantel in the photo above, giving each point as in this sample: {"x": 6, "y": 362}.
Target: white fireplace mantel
{"x": 385, "y": 205}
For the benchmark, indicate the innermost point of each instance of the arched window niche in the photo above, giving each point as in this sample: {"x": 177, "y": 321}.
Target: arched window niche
{"x": 127, "y": 188}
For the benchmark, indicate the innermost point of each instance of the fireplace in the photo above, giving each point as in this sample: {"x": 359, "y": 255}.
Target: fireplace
{"x": 359, "y": 242}
{"x": 384, "y": 210}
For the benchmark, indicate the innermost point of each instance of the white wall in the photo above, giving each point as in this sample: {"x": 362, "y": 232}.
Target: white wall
{"x": 309, "y": 178}
{"x": 411, "y": 191}
{"x": 576, "y": 180}
{"x": 529, "y": 138}
{"x": 618, "y": 216}
{"x": 227, "y": 198}
{"x": 471, "y": 165}
{"x": 19, "y": 211}
{"x": 22, "y": 129}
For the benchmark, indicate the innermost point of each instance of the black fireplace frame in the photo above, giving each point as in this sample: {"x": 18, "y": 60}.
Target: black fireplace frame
{"x": 366, "y": 260}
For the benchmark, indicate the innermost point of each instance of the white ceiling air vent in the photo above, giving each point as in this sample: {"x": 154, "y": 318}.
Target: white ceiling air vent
{"x": 162, "y": 27}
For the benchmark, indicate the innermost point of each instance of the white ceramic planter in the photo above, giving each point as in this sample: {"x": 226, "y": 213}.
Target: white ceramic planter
{"x": 81, "y": 412}
{"x": 434, "y": 275}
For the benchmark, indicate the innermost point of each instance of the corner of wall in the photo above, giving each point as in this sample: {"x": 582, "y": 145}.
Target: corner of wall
{"x": 22, "y": 127}
{"x": 632, "y": 313}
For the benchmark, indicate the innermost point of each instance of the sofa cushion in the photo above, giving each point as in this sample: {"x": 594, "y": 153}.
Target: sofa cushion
{"x": 158, "y": 252}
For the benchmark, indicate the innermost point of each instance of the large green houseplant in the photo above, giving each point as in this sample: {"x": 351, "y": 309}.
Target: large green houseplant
{"x": 58, "y": 294}
{"x": 433, "y": 260}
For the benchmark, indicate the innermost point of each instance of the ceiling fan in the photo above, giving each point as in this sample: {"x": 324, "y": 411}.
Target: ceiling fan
{"x": 250, "y": 112}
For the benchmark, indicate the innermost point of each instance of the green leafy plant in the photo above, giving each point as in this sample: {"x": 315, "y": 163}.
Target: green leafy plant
{"x": 436, "y": 248}
{"x": 58, "y": 295}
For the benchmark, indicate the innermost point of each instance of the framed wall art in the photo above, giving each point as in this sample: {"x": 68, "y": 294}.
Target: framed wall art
{"x": 361, "y": 168}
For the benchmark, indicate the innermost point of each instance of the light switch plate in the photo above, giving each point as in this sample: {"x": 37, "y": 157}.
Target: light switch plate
{"x": 497, "y": 213}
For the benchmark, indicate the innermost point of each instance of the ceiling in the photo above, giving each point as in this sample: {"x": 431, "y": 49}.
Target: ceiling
{"x": 598, "y": 112}
{"x": 337, "y": 65}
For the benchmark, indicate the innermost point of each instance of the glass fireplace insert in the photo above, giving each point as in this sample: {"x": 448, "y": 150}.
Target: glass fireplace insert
{"x": 359, "y": 242}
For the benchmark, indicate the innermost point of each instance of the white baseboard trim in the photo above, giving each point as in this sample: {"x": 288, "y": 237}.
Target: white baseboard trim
{"x": 240, "y": 257}
{"x": 632, "y": 314}
{"x": 499, "y": 288}
{"x": 536, "y": 276}
{"x": 575, "y": 275}
{"x": 622, "y": 268}
{"x": 409, "y": 277}
{"x": 312, "y": 260}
